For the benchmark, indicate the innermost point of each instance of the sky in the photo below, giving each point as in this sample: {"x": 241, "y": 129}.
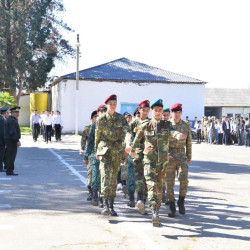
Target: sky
{"x": 205, "y": 39}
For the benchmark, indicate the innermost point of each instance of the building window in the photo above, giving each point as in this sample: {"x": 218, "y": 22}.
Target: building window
{"x": 230, "y": 115}
{"x": 128, "y": 107}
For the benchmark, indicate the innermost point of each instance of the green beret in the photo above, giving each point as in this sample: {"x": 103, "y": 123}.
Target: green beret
{"x": 166, "y": 110}
{"x": 157, "y": 103}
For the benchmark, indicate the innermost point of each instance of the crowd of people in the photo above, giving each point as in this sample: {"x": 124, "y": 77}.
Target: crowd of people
{"x": 139, "y": 155}
{"x": 226, "y": 131}
{"x": 131, "y": 152}
{"x": 47, "y": 124}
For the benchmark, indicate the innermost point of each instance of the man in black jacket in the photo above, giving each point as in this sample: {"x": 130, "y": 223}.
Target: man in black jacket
{"x": 226, "y": 127}
{"x": 3, "y": 114}
{"x": 12, "y": 136}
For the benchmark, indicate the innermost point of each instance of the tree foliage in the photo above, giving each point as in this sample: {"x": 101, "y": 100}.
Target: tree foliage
{"x": 7, "y": 100}
{"x": 30, "y": 42}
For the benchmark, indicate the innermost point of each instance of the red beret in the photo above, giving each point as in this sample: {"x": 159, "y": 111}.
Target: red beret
{"x": 145, "y": 103}
{"x": 111, "y": 97}
{"x": 100, "y": 106}
{"x": 176, "y": 107}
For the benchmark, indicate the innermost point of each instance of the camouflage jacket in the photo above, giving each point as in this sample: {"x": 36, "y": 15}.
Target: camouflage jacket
{"x": 183, "y": 128}
{"x": 85, "y": 135}
{"x": 91, "y": 142}
{"x": 156, "y": 135}
{"x": 134, "y": 126}
{"x": 204, "y": 125}
{"x": 110, "y": 133}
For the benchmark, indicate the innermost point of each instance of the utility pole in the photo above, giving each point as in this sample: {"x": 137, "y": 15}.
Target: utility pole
{"x": 77, "y": 85}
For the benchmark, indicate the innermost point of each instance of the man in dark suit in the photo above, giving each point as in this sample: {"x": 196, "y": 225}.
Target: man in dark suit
{"x": 12, "y": 136}
{"x": 226, "y": 130}
{"x": 3, "y": 114}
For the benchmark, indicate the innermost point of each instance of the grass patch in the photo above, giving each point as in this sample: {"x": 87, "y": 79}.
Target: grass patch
{"x": 25, "y": 130}
{"x": 193, "y": 239}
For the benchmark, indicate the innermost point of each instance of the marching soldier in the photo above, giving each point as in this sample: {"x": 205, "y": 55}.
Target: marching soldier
{"x": 111, "y": 130}
{"x": 130, "y": 171}
{"x": 34, "y": 124}
{"x": 140, "y": 181}
{"x": 12, "y": 137}
{"x": 156, "y": 133}
{"x": 94, "y": 163}
{"x": 84, "y": 139}
{"x": 3, "y": 116}
{"x": 180, "y": 154}
{"x": 165, "y": 117}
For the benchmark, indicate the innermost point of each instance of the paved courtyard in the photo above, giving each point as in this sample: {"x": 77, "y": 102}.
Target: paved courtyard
{"x": 45, "y": 206}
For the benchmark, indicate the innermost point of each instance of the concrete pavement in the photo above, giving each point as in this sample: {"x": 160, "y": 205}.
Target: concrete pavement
{"x": 45, "y": 206}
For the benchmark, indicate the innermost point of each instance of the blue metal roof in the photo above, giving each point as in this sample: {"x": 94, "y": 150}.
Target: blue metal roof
{"x": 124, "y": 69}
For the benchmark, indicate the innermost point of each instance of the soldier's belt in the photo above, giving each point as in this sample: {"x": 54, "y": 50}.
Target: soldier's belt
{"x": 177, "y": 150}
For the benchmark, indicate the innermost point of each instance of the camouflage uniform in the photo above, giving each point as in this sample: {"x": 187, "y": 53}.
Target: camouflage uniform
{"x": 156, "y": 134}
{"x": 140, "y": 181}
{"x": 204, "y": 130}
{"x": 110, "y": 134}
{"x": 131, "y": 175}
{"x": 94, "y": 163}
{"x": 84, "y": 139}
{"x": 178, "y": 158}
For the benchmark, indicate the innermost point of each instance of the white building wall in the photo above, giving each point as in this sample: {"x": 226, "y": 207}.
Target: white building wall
{"x": 55, "y": 90}
{"x": 24, "y": 117}
{"x": 92, "y": 94}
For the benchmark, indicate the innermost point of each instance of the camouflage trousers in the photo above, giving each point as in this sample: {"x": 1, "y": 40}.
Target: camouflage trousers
{"x": 131, "y": 175}
{"x": 177, "y": 163}
{"x": 109, "y": 168}
{"x": 154, "y": 174}
{"x": 205, "y": 134}
{"x": 96, "y": 178}
{"x": 89, "y": 174}
{"x": 140, "y": 181}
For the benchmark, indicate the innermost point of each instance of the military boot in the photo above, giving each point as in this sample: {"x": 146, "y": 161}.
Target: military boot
{"x": 131, "y": 202}
{"x": 100, "y": 202}
{"x": 172, "y": 209}
{"x": 94, "y": 201}
{"x": 105, "y": 210}
{"x": 140, "y": 203}
{"x": 155, "y": 216}
{"x": 180, "y": 203}
{"x": 90, "y": 194}
{"x": 112, "y": 211}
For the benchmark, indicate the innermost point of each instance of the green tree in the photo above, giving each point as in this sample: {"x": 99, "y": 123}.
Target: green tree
{"x": 7, "y": 100}
{"x": 30, "y": 42}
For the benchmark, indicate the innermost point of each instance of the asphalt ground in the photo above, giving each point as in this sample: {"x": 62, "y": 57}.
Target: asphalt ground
{"x": 45, "y": 206}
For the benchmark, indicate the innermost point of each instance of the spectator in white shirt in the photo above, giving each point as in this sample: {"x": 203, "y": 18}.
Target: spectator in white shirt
{"x": 58, "y": 125}
{"x": 48, "y": 125}
{"x": 198, "y": 127}
{"x": 34, "y": 124}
